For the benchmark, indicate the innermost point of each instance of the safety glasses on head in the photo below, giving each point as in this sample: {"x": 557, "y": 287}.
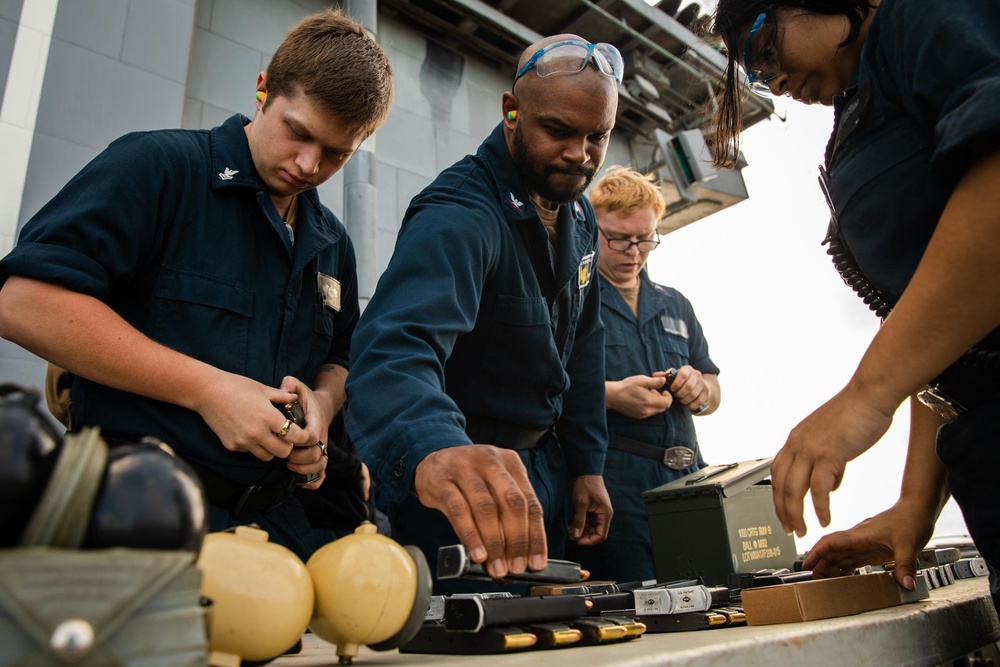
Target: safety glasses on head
{"x": 570, "y": 56}
{"x": 761, "y": 66}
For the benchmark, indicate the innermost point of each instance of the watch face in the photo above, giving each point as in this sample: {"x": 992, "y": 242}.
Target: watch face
{"x": 937, "y": 402}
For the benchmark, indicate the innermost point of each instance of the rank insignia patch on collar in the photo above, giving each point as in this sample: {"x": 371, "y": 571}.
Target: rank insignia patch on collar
{"x": 515, "y": 203}
{"x": 227, "y": 174}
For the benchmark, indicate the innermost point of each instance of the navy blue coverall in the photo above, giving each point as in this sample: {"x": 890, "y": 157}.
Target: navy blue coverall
{"x": 920, "y": 110}
{"x": 175, "y": 232}
{"x": 474, "y": 322}
{"x": 665, "y": 335}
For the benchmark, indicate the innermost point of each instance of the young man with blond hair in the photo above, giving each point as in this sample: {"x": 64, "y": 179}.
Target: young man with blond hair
{"x": 649, "y": 329}
{"x": 191, "y": 280}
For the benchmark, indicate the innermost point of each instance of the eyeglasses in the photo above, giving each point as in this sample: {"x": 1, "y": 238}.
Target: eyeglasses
{"x": 571, "y": 56}
{"x": 622, "y": 245}
{"x": 765, "y": 66}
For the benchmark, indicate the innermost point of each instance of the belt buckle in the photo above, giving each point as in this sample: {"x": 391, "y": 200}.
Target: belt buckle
{"x": 678, "y": 458}
{"x": 943, "y": 405}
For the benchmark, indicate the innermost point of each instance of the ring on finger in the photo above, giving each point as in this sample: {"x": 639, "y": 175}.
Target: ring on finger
{"x": 284, "y": 429}
{"x": 701, "y": 408}
{"x": 322, "y": 447}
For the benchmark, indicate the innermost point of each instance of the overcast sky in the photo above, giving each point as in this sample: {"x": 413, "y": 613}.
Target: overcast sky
{"x": 785, "y": 330}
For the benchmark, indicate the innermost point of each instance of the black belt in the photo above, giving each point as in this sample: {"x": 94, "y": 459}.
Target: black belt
{"x": 485, "y": 430}
{"x": 675, "y": 458}
{"x": 242, "y": 499}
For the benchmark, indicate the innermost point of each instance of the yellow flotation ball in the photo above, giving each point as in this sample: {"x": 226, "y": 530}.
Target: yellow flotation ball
{"x": 370, "y": 591}
{"x": 261, "y": 593}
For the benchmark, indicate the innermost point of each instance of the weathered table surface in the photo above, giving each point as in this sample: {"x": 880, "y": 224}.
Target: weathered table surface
{"x": 954, "y": 621}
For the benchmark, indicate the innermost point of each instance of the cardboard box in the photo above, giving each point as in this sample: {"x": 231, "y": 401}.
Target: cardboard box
{"x": 716, "y": 521}
{"x": 826, "y": 598}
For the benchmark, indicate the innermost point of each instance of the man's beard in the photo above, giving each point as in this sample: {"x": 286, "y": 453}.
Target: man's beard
{"x": 536, "y": 176}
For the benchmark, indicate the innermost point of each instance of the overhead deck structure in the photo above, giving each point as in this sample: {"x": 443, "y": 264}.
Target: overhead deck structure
{"x": 670, "y": 74}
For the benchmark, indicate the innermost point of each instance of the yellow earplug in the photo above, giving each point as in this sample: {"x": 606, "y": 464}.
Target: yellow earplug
{"x": 512, "y": 115}
{"x": 261, "y": 95}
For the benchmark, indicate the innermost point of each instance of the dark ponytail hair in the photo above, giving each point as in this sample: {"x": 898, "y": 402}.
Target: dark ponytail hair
{"x": 732, "y": 18}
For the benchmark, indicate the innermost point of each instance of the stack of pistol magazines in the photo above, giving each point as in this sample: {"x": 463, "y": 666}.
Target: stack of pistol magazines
{"x": 561, "y": 610}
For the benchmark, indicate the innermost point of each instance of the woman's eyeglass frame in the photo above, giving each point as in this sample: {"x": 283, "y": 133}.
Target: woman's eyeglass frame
{"x": 623, "y": 245}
